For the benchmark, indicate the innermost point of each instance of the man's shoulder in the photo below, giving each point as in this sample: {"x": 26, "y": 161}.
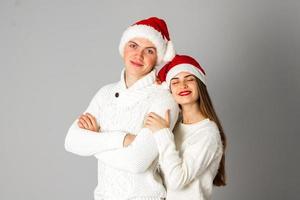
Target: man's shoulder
{"x": 161, "y": 95}
{"x": 110, "y": 86}
{"x": 106, "y": 89}
{"x": 161, "y": 91}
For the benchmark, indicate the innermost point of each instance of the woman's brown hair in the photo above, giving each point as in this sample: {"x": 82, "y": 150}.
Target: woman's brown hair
{"x": 207, "y": 109}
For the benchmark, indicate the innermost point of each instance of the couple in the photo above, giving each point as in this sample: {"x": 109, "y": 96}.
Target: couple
{"x": 128, "y": 125}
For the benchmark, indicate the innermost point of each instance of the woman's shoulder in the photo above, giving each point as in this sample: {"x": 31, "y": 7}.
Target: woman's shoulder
{"x": 203, "y": 130}
{"x": 211, "y": 126}
{"x": 211, "y": 130}
{"x": 212, "y": 133}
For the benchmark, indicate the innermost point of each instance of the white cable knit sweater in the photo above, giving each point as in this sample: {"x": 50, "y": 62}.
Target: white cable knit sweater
{"x": 189, "y": 159}
{"x": 131, "y": 172}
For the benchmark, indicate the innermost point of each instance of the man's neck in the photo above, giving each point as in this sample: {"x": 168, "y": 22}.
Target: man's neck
{"x": 130, "y": 80}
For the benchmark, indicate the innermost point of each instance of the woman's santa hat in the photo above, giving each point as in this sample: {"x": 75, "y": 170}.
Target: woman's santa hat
{"x": 156, "y": 31}
{"x": 181, "y": 63}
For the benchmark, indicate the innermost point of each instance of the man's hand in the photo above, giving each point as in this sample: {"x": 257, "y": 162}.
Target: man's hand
{"x": 88, "y": 122}
{"x": 128, "y": 140}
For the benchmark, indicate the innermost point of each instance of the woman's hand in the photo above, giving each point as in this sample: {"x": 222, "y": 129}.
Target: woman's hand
{"x": 88, "y": 122}
{"x": 155, "y": 122}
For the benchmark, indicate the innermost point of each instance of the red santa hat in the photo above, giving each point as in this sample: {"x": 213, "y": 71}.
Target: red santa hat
{"x": 156, "y": 31}
{"x": 181, "y": 63}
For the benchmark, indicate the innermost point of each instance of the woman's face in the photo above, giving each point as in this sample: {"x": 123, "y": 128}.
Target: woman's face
{"x": 139, "y": 57}
{"x": 184, "y": 88}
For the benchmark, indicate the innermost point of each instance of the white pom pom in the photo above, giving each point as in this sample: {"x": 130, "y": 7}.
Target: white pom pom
{"x": 170, "y": 52}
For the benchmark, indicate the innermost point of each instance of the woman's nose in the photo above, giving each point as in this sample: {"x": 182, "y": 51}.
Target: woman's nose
{"x": 183, "y": 84}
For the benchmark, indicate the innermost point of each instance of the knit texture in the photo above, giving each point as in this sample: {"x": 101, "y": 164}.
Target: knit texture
{"x": 190, "y": 160}
{"x": 131, "y": 172}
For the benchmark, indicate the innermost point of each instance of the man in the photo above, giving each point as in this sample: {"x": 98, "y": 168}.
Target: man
{"x": 116, "y": 116}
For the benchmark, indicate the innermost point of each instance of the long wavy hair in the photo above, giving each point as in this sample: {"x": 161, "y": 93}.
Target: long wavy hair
{"x": 207, "y": 109}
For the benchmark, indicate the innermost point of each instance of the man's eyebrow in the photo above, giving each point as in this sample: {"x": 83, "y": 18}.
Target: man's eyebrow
{"x": 133, "y": 42}
{"x": 152, "y": 47}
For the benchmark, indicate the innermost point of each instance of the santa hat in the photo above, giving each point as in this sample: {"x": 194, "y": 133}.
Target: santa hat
{"x": 181, "y": 63}
{"x": 156, "y": 31}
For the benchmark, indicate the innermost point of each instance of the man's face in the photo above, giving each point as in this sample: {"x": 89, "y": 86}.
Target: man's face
{"x": 140, "y": 57}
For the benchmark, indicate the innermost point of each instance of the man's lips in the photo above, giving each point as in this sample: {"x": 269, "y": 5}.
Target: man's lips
{"x": 184, "y": 93}
{"x": 138, "y": 64}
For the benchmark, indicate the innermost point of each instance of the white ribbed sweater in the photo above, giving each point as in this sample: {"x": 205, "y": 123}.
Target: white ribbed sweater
{"x": 189, "y": 159}
{"x": 131, "y": 172}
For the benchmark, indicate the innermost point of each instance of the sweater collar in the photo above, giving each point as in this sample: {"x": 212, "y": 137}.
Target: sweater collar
{"x": 188, "y": 129}
{"x": 196, "y": 124}
{"x": 147, "y": 80}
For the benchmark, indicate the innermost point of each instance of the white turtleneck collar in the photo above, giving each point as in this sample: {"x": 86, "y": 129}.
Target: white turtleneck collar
{"x": 141, "y": 83}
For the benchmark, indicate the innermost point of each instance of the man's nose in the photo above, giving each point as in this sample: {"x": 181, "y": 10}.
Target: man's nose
{"x": 139, "y": 53}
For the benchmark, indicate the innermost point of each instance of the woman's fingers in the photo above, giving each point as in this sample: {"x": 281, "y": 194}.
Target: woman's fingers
{"x": 149, "y": 124}
{"x": 154, "y": 116}
{"x": 167, "y": 117}
{"x": 158, "y": 118}
{"x": 155, "y": 122}
{"x": 149, "y": 121}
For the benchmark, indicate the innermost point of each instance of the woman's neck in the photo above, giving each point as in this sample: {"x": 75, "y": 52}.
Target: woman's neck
{"x": 191, "y": 113}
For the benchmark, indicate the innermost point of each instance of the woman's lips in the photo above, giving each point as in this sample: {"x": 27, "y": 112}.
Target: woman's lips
{"x": 184, "y": 93}
{"x": 137, "y": 64}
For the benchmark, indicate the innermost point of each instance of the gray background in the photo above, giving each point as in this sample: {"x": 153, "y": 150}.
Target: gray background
{"x": 54, "y": 56}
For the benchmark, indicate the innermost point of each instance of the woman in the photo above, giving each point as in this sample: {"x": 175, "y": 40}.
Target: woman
{"x": 192, "y": 160}
{"x": 120, "y": 108}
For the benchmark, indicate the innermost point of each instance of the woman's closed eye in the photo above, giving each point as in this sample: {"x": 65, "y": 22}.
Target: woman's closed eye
{"x": 174, "y": 82}
{"x": 190, "y": 79}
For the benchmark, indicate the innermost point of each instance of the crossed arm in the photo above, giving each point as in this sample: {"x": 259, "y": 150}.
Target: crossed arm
{"x": 108, "y": 146}
{"x": 85, "y": 140}
{"x": 140, "y": 154}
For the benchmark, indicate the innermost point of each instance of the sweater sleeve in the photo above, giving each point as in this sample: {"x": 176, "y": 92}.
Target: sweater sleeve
{"x": 86, "y": 143}
{"x": 178, "y": 170}
{"x": 137, "y": 157}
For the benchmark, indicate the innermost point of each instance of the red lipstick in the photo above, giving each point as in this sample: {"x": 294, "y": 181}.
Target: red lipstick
{"x": 184, "y": 93}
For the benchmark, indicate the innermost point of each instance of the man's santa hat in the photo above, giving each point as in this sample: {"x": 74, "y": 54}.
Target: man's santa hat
{"x": 156, "y": 31}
